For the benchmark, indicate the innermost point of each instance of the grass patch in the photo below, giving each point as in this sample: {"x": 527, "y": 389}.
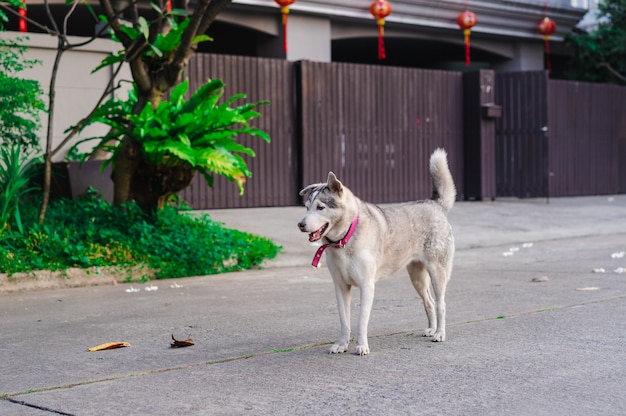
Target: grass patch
{"x": 92, "y": 233}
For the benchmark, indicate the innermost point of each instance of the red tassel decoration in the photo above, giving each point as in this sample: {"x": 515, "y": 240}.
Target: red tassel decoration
{"x": 381, "y": 41}
{"x": 381, "y": 9}
{"x": 22, "y": 22}
{"x": 284, "y": 9}
{"x": 168, "y": 6}
{"x": 466, "y": 21}
{"x": 547, "y": 27}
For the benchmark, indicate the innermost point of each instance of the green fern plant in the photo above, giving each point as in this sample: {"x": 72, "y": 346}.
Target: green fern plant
{"x": 200, "y": 132}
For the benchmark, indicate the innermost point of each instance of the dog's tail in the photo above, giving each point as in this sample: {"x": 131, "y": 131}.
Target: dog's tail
{"x": 444, "y": 191}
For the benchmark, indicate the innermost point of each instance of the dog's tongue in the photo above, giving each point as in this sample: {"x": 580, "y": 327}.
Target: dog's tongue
{"x": 314, "y": 236}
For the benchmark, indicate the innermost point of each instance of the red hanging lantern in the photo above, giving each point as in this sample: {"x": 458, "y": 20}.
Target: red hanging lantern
{"x": 284, "y": 9}
{"x": 168, "y": 6}
{"x": 547, "y": 27}
{"x": 22, "y": 21}
{"x": 380, "y": 9}
{"x": 466, "y": 21}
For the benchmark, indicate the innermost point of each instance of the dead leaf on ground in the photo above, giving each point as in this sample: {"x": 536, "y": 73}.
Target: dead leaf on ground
{"x": 109, "y": 346}
{"x": 180, "y": 344}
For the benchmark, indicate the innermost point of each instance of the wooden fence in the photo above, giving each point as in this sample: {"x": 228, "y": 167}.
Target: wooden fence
{"x": 376, "y": 126}
{"x": 586, "y": 138}
{"x": 559, "y": 138}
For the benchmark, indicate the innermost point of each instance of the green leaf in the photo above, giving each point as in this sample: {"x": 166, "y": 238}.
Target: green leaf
{"x": 179, "y": 12}
{"x": 156, "y": 50}
{"x": 110, "y": 60}
{"x": 156, "y": 8}
{"x": 144, "y": 27}
{"x": 178, "y": 92}
{"x": 169, "y": 42}
{"x": 130, "y": 31}
{"x": 202, "y": 38}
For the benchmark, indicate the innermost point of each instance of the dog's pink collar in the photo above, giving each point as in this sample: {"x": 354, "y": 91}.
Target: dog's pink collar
{"x": 340, "y": 244}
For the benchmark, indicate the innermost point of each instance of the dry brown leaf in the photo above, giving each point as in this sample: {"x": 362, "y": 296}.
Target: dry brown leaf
{"x": 180, "y": 344}
{"x": 109, "y": 346}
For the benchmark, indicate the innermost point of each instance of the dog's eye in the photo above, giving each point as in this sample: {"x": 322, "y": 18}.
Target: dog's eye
{"x": 320, "y": 207}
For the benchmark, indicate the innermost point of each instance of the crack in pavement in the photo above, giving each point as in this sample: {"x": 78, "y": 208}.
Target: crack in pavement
{"x": 45, "y": 409}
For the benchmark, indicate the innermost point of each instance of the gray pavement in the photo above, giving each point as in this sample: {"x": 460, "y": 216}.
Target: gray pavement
{"x": 514, "y": 347}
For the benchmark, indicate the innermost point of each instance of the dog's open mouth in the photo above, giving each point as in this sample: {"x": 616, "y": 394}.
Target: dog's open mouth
{"x": 316, "y": 235}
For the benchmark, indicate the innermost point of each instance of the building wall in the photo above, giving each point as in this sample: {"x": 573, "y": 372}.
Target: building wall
{"x": 505, "y": 38}
{"x": 77, "y": 90}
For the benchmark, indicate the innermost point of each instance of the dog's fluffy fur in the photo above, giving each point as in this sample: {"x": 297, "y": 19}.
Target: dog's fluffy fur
{"x": 415, "y": 235}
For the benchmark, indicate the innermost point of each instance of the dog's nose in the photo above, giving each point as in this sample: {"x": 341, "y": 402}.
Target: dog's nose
{"x": 301, "y": 225}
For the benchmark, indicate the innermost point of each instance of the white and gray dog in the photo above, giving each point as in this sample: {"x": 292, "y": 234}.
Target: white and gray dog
{"x": 367, "y": 243}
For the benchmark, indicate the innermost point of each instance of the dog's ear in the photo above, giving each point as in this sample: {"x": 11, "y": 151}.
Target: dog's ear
{"x": 307, "y": 191}
{"x": 334, "y": 184}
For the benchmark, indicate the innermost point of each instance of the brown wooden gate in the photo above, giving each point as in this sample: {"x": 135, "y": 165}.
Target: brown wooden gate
{"x": 375, "y": 127}
{"x": 559, "y": 138}
{"x": 587, "y": 138}
{"x": 521, "y": 134}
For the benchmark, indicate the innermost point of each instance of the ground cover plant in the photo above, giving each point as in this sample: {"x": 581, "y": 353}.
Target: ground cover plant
{"x": 90, "y": 232}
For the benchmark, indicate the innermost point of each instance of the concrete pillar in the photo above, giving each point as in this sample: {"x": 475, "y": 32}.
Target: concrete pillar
{"x": 308, "y": 38}
{"x": 529, "y": 56}
{"x": 479, "y": 125}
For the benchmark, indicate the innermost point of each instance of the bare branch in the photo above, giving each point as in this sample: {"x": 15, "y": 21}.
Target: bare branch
{"x": 114, "y": 22}
{"x": 203, "y": 15}
{"x": 215, "y": 7}
{"x": 68, "y": 14}
{"x": 108, "y": 89}
{"x": 613, "y": 71}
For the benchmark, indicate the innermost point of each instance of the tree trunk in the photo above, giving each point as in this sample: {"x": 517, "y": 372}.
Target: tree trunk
{"x": 124, "y": 170}
{"x": 152, "y": 184}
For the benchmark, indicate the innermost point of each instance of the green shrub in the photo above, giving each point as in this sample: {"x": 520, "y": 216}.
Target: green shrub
{"x": 92, "y": 233}
{"x": 16, "y": 171}
{"x": 21, "y": 102}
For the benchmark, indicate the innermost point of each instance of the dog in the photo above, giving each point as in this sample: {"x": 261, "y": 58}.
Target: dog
{"x": 365, "y": 243}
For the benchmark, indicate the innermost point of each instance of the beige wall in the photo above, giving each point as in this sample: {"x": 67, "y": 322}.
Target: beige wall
{"x": 77, "y": 89}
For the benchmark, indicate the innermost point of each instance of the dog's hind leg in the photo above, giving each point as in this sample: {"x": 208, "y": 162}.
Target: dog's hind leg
{"x": 439, "y": 276}
{"x": 421, "y": 282}
{"x": 344, "y": 297}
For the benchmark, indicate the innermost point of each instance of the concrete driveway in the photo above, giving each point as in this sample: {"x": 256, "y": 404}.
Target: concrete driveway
{"x": 514, "y": 346}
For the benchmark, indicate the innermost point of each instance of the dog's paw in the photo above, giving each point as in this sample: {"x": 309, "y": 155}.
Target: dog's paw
{"x": 439, "y": 337}
{"x": 362, "y": 350}
{"x": 428, "y": 332}
{"x": 338, "y": 348}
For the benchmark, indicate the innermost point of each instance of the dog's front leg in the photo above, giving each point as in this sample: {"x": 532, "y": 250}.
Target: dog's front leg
{"x": 367, "y": 300}
{"x": 344, "y": 297}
